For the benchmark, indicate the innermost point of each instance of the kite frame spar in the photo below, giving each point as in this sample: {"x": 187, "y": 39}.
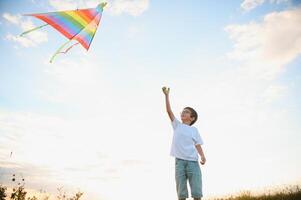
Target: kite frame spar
{"x": 92, "y": 22}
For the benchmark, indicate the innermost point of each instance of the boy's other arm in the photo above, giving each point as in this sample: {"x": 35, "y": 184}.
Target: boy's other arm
{"x": 167, "y": 103}
{"x": 201, "y": 153}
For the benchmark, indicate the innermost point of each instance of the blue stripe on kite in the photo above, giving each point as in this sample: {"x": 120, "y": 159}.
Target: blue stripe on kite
{"x": 65, "y": 24}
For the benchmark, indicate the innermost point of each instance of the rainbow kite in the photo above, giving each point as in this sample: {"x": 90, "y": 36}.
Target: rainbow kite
{"x": 79, "y": 25}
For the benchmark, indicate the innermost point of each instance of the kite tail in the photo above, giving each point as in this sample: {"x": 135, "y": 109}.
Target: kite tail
{"x": 36, "y": 28}
{"x": 59, "y": 50}
{"x": 69, "y": 48}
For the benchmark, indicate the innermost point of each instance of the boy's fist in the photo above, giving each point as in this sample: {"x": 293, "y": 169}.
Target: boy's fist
{"x": 165, "y": 90}
{"x": 203, "y": 160}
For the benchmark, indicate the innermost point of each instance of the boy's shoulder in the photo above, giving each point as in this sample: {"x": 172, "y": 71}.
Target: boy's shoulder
{"x": 194, "y": 129}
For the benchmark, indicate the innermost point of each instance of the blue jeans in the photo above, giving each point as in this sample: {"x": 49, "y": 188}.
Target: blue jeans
{"x": 191, "y": 171}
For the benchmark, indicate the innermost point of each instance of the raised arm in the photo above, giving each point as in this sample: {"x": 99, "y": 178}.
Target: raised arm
{"x": 168, "y": 108}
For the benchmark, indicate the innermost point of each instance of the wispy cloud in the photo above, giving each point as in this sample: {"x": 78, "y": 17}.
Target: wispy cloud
{"x": 248, "y": 5}
{"x": 265, "y": 47}
{"x": 274, "y": 92}
{"x": 114, "y": 7}
{"x": 14, "y": 19}
{"x": 45, "y": 140}
{"x": 92, "y": 151}
{"x": 33, "y": 39}
{"x": 65, "y": 4}
{"x": 132, "y": 7}
{"x": 69, "y": 79}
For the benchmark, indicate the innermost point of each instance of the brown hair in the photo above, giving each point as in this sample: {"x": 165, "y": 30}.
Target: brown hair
{"x": 193, "y": 113}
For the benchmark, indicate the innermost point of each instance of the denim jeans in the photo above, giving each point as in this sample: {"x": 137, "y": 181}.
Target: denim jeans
{"x": 191, "y": 171}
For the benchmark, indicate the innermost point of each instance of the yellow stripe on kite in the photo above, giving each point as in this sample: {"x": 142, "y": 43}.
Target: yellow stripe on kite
{"x": 77, "y": 17}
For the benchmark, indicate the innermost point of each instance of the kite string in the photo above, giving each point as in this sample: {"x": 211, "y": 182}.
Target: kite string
{"x": 36, "y": 28}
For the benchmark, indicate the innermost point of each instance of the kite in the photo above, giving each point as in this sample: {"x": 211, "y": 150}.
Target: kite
{"x": 77, "y": 25}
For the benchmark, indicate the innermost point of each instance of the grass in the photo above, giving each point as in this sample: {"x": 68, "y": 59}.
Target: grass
{"x": 289, "y": 193}
{"x": 19, "y": 192}
{"x": 292, "y": 192}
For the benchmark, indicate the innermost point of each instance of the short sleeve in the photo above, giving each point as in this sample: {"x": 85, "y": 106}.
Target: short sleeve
{"x": 175, "y": 123}
{"x": 197, "y": 139}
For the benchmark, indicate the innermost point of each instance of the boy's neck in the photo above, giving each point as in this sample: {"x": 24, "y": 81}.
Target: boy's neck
{"x": 185, "y": 122}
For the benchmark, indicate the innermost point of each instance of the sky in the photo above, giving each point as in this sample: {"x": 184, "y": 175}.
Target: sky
{"x": 95, "y": 120}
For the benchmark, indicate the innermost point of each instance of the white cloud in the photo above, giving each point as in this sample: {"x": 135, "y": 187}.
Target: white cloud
{"x": 63, "y": 5}
{"x": 23, "y": 41}
{"x": 15, "y": 19}
{"x": 251, "y": 4}
{"x": 248, "y": 5}
{"x": 133, "y": 7}
{"x": 266, "y": 47}
{"x": 32, "y": 39}
{"x": 45, "y": 141}
{"x": 71, "y": 77}
{"x": 114, "y": 7}
{"x": 273, "y": 92}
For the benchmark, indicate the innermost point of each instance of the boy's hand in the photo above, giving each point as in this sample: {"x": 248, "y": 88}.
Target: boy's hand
{"x": 165, "y": 90}
{"x": 203, "y": 160}
{"x": 167, "y": 103}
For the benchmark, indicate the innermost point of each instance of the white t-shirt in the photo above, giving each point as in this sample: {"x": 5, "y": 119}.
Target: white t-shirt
{"x": 185, "y": 138}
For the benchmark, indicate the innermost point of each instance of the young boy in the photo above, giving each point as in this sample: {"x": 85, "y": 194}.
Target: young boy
{"x": 186, "y": 145}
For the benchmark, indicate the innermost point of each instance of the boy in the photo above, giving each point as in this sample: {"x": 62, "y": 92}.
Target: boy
{"x": 186, "y": 145}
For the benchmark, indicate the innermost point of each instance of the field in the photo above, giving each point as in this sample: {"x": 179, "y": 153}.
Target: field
{"x": 288, "y": 193}
{"x": 19, "y": 193}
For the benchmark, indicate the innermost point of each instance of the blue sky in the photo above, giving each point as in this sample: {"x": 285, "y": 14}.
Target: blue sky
{"x": 96, "y": 119}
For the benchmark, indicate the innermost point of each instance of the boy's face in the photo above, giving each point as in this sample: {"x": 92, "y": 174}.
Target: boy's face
{"x": 186, "y": 115}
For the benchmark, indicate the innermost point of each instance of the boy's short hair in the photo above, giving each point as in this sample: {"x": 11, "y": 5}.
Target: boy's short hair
{"x": 193, "y": 114}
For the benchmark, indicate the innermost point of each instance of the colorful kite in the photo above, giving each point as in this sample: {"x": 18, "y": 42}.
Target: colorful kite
{"x": 79, "y": 25}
